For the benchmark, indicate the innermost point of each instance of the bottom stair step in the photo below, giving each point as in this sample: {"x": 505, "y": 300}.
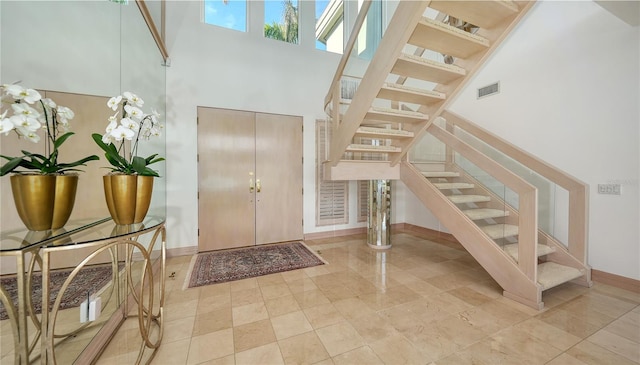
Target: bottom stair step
{"x": 551, "y": 274}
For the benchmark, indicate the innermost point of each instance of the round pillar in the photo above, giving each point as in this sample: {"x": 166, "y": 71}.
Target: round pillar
{"x": 379, "y": 220}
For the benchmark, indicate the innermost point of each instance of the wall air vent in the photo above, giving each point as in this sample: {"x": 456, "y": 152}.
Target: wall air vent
{"x": 489, "y": 90}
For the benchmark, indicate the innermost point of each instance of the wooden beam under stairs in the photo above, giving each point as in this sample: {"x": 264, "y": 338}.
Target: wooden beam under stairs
{"x": 361, "y": 170}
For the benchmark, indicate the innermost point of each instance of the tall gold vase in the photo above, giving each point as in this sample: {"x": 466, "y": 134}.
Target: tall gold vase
{"x": 128, "y": 197}
{"x": 44, "y": 202}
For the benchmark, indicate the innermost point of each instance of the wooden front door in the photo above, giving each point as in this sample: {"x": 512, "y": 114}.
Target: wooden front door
{"x": 249, "y": 178}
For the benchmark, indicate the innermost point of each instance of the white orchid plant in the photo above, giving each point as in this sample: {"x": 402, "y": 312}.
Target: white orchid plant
{"x": 27, "y": 114}
{"x": 127, "y": 127}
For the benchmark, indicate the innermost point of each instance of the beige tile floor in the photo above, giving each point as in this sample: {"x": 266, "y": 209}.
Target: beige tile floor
{"x": 421, "y": 302}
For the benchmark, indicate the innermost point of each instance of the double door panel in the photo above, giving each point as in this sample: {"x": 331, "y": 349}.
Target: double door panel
{"x": 250, "y": 178}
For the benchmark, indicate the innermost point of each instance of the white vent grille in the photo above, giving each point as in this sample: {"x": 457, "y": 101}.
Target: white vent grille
{"x": 489, "y": 90}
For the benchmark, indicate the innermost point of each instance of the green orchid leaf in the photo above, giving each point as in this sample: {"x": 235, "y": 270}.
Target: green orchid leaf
{"x": 61, "y": 140}
{"x": 10, "y": 166}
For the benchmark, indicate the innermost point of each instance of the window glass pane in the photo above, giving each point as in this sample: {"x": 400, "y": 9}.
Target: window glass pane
{"x": 281, "y": 20}
{"x": 329, "y": 25}
{"x": 230, "y": 14}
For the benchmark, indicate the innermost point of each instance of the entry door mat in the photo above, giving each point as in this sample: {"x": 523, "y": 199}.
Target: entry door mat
{"x": 236, "y": 264}
{"x": 92, "y": 279}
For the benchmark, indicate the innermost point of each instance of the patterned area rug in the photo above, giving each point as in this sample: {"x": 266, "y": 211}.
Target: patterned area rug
{"x": 236, "y": 264}
{"x": 90, "y": 279}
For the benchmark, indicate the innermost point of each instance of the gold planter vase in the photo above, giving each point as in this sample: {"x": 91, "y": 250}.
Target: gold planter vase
{"x": 128, "y": 197}
{"x": 44, "y": 202}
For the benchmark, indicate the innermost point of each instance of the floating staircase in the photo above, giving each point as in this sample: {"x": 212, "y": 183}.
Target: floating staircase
{"x": 421, "y": 63}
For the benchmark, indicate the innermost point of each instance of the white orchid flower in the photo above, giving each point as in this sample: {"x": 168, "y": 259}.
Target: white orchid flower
{"x": 5, "y": 124}
{"x": 133, "y": 98}
{"x": 65, "y": 113}
{"x": 108, "y": 138}
{"x": 112, "y": 124}
{"x": 19, "y": 93}
{"x": 114, "y": 102}
{"x": 24, "y": 123}
{"x": 121, "y": 133}
{"x": 155, "y": 131}
{"x": 50, "y": 103}
{"x": 25, "y": 109}
{"x": 133, "y": 112}
{"x": 13, "y": 90}
{"x": 64, "y": 123}
{"x": 32, "y": 136}
{"x": 130, "y": 124}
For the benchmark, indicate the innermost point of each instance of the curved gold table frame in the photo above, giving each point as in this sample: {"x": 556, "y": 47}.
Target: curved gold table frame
{"x": 145, "y": 295}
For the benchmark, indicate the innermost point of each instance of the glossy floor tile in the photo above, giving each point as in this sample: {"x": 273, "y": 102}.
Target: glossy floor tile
{"x": 421, "y": 302}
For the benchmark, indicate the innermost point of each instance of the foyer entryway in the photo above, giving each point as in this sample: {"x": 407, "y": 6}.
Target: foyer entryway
{"x": 249, "y": 178}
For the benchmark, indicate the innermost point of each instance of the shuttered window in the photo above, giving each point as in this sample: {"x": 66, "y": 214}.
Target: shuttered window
{"x": 332, "y": 197}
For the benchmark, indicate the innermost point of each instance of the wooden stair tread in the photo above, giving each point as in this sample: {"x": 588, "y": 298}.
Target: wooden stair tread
{"x": 446, "y": 39}
{"x": 484, "y": 14}
{"x": 430, "y": 174}
{"x": 551, "y": 274}
{"x": 485, "y": 213}
{"x": 386, "y": 133}
{"x": 370, "y": 148}
{"x": 395, "y": 115}
{"x": 447, "y": 186}
{"x": 497, "y": 231}
{"x": 428, "y": 70}
{"x": 397, "y": 92}
{"x": 512, "y": 250}
{"x": 463, "y": 198}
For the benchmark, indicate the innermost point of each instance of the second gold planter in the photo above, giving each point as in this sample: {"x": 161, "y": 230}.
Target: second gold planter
{"x": 128, "y": 197}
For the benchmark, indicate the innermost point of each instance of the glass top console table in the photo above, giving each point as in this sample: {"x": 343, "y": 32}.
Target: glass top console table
{"x": 94, "y": 274}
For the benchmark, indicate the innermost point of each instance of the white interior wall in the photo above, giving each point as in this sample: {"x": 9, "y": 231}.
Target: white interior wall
{"x": 570, "y": 95}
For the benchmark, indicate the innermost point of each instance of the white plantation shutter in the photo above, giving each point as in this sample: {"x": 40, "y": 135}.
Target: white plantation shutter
{"x": 363, "y": 200}
{"x": 332, "y": 197}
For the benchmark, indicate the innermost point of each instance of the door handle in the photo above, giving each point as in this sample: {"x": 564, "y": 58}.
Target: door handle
{"x": 258, "y": 185}
{"x": 250, "y": 185}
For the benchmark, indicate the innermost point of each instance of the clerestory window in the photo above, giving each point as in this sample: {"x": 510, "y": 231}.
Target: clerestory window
{"x": 230, "y": 14}
{"x": 281, "y": 20}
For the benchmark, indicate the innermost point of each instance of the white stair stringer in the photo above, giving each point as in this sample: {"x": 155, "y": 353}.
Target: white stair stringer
{"x": 502, "y": 268}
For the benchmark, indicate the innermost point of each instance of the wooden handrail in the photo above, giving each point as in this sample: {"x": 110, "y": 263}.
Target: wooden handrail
{"x": 362, "y": 14}
{"x": 527, "y": 198}
{"x": 153, "y": 29}
{"x": 578, "y": 190}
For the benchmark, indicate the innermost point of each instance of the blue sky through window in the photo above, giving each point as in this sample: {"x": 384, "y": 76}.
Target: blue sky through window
{"x": 231, "y": 15}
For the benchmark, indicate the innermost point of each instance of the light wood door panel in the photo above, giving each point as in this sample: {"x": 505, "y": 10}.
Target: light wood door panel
{"x": 239, "y": 150}
{"x": 226, "y": 153}
{"x": 279, "y": 169}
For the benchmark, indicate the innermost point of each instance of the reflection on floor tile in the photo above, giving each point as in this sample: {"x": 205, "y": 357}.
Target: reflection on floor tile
{"x": 421, "y": 302}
